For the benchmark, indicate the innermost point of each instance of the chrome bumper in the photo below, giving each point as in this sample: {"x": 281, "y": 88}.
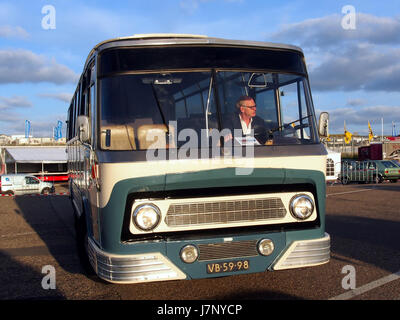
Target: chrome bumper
{"x": 305, "y": 253}
{"x": 132, "y": 268}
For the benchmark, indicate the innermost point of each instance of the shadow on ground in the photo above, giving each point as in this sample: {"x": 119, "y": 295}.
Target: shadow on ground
{"x": 19, "y": 281}
{"x": 373, "y": 241}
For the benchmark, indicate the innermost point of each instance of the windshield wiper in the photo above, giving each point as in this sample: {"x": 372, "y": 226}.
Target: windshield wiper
{"x": 159, "y": 108}
{"x": 208, "y": 104}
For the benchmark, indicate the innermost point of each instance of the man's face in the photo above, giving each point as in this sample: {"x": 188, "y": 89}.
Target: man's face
{"x": 248, "y": 108}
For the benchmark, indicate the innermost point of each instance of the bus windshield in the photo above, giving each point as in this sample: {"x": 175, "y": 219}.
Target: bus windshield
{"x": 166, "y": 110}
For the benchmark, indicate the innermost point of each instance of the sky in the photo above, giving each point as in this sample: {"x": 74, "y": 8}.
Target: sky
{"x": 352, "y": 50}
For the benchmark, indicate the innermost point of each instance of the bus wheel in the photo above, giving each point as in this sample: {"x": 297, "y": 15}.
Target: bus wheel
{"x": 82, "y": 243}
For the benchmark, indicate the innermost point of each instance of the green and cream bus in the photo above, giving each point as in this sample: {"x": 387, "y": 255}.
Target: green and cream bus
{"x": 160, "y": 193}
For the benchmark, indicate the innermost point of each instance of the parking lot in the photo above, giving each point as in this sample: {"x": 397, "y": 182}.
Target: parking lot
{"x": 363, "y": 220}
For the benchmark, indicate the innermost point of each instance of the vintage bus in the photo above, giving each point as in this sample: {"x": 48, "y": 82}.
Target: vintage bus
{"x": 168, "y": 180}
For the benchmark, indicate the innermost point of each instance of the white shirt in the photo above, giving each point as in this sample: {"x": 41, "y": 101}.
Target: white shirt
{"x": 246, "y": 129}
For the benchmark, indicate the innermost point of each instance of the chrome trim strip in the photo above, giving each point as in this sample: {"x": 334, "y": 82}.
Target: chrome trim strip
{"x": 132, "y": 268}
{"x": 305, "y": 253}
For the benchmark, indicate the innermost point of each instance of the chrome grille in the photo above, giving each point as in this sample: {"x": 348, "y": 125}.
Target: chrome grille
{"x": 224, "y": 211}
{"x": 228, "y": 250}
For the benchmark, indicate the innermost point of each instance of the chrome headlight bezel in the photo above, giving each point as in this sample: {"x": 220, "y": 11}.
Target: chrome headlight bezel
{"x": 265, "y": 247}
{"x": 138, "y": 211}
{"x": 189, "y": 254}
{"x": 295, "y": 202}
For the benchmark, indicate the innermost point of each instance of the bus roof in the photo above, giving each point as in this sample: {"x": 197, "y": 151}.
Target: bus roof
{"x": 172, "y": 39}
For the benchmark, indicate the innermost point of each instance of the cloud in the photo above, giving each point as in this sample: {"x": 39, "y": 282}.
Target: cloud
{"x": 358, "y": 67}
{"x": 14, "y": 123}
{"x": 9, "y": 117}
{"x": 13, "y": 32}
{"x": 18, "y": 66}
{"x": 14, "y": 102}
{"x": 357, "y": 118}
{"x": 355, "y": 102}
{"x": 62, "y": 96}
{"x": 327, "y": 32}
{"x": 367, "y": 58}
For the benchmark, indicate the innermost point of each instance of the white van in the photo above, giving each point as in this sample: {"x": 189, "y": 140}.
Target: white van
{"x": 19, "y": 184}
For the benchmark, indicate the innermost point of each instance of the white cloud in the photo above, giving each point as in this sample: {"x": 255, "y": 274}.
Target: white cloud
{"x": 358, "y": 67}
{"x": 327, "y": 32}
{"x": 18, "y": 66}
{"x": 13, "y": 32}
{"x": 355, "y": 102}
{"x": 14, "y": 123}
{"x": 367, "y": 58}
{"x": 14, "y": 102}
{"x": 357, "y": 118}
{"x": 62, "y": 96}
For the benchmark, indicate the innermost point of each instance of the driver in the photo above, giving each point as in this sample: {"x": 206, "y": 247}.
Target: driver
{"x": 245, "y": 118}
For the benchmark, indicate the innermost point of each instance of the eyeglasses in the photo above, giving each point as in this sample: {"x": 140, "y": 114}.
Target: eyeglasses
{"x": 250, "y": 107}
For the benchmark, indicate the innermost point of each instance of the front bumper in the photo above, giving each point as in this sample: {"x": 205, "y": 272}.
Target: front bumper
{"x": 148, "y": 267}
{"x": 132, "y": 268}
{"x": 305, "y": 253}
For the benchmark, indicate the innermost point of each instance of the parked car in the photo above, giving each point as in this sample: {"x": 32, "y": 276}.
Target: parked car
{"x": 19, "y": 184}
{"x": 387, "y": 170}
{"x": 396, "y": 162}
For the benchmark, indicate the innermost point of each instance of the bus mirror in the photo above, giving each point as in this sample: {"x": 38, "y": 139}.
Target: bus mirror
{"x": 83, "y": 126}
{"x": 323, "y": 125}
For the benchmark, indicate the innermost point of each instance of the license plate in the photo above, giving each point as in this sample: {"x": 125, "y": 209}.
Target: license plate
{"x": 229, "y": 266}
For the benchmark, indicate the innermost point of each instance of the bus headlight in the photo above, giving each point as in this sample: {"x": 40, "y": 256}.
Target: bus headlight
{"x": 301, "y": 206}
{"x": 146, "y": 217}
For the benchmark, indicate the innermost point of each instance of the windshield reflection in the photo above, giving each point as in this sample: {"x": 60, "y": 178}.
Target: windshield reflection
{"x": 169, "y": 110}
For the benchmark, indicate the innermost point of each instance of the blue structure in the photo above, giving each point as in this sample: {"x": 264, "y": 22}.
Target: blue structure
{"x": 27, "y": 128}
{"x": 58, "y": 130}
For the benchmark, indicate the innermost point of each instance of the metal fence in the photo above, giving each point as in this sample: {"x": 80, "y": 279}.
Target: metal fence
{"x": 359, "y": 172}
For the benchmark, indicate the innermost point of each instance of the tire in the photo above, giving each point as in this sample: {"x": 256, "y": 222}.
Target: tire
{"x": 82, "y": 245}
{"x": 378, "y": 179}
{"x": 46, "y": 191}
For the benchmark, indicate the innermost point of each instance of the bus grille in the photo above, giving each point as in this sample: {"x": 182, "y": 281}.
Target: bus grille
{"x": 228, "y": 250}
{"x": 221, "y": 212}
